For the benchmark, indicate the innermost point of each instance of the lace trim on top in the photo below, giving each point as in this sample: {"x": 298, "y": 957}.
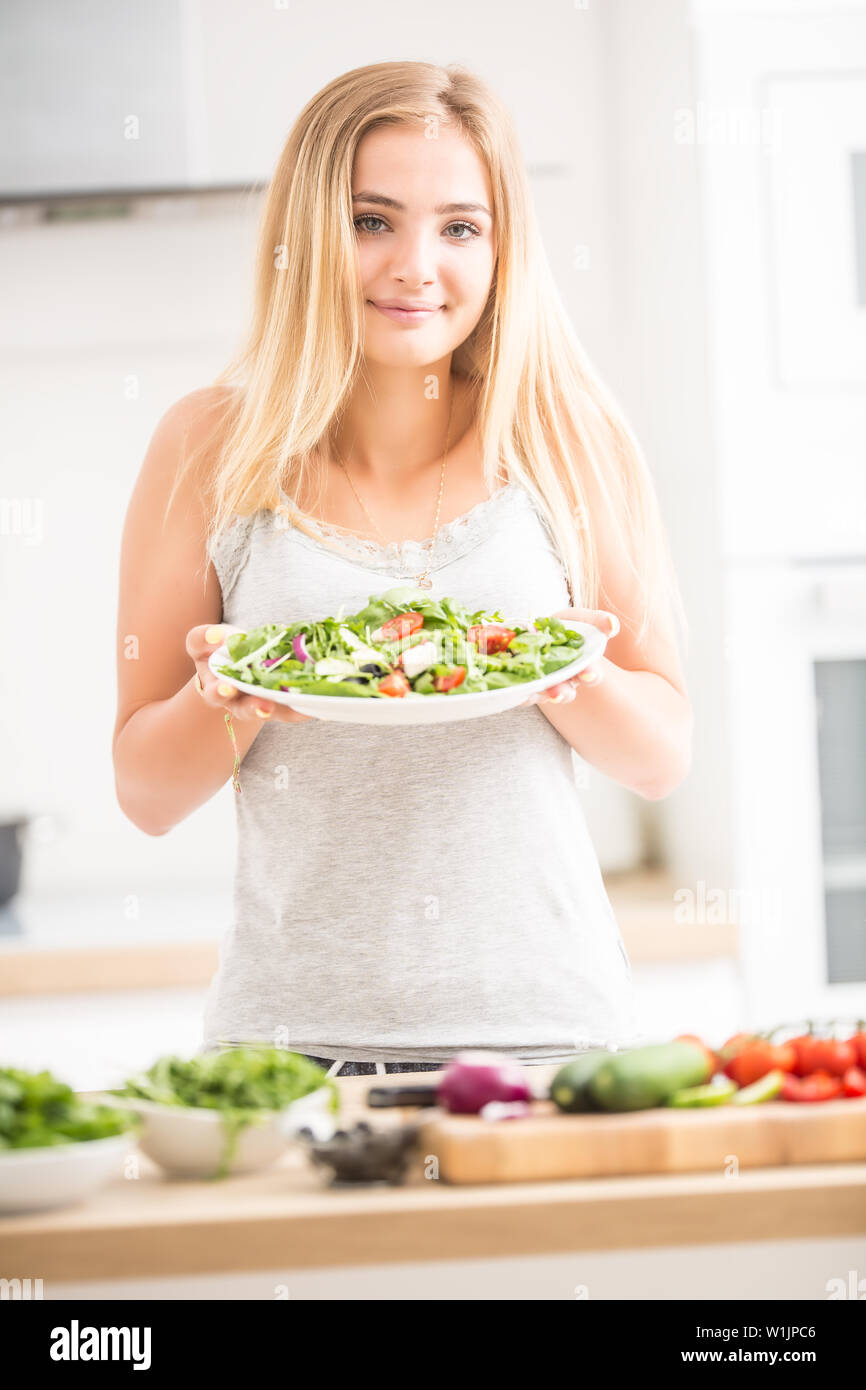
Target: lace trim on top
{"x": 453, "y": 538}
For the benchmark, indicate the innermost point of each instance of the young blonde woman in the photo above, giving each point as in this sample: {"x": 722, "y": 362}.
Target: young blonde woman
{"x": 411, "y": 406}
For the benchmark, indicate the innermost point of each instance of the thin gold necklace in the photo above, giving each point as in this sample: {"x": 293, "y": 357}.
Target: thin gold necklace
{"x": 423, "y": 578}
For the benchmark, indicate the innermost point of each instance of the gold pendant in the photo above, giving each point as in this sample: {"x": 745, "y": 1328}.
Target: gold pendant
{"x": 425, "y": 583}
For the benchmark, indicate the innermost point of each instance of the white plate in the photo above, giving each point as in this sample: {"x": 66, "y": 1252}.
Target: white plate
{"x": 420, "y": 709}
{"x": 189, "y": 1140}
{"x": 59, "y": 1175}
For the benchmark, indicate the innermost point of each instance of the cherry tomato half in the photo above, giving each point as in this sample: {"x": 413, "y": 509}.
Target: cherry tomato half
{"x": 450, "y": 679}
{"x": 490, "y": 637}
{"x": 401, "y": 625}
{"x": 395, "y": 685}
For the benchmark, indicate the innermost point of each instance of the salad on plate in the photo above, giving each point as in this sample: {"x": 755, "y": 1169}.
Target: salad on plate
{"x": 404, "y": 644}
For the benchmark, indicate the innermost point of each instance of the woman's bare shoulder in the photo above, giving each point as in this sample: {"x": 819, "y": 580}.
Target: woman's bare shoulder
{"x": 200, "y": 413}
{"x": 186, "y": 439}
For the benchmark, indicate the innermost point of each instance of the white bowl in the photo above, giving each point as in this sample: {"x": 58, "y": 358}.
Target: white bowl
{"x": 190, "y": 1140}
{"x": 60, "y": 1174}
{"x": 414, "y": 708}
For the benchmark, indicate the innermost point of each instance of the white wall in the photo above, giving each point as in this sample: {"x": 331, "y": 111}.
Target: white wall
{"x": 663, "y": 381}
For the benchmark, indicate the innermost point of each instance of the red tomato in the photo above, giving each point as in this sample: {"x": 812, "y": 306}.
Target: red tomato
{"x": 454, "y": 677}
{"x": 858, "y": 1042}
{"x": 756, "y": 1059}
{"x": 401, "y": 625}
{"x": 395, "y": 685}
{"x": 802, "y": 1046}
{"x": 831, "y": 1055}
{"x": 819, "y": 1086}
{"x": 735, "y": 1044}
{"x": 713, "y": 1063}
{"x": 490, "y": 637}
{"x": 854, "y": 1082}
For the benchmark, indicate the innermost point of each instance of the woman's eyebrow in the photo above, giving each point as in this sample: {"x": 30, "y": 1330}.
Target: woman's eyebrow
{"x": 384, "y": 202}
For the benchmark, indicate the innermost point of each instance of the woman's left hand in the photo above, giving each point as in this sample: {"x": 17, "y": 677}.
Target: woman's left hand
{"x": 564, "y": 691}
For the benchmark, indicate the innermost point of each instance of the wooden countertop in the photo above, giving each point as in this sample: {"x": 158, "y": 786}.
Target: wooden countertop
{"x": 643, "y": 903}
{"x": 288, "y": 1217}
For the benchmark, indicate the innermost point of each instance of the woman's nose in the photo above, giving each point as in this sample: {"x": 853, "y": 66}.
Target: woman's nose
{"x": 414, "y": 258}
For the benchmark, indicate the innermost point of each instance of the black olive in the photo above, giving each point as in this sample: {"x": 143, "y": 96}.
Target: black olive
{"x": 373, "y": 668}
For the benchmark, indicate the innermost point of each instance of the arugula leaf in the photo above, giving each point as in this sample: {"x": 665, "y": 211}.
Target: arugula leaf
{"x": 531, "y": 653}
{"x": 244, "y": 1083}
{"x": 37, "y": 1111}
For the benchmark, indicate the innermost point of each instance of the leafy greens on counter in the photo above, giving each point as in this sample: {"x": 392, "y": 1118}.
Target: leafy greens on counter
{"x": 37, "y": 1111}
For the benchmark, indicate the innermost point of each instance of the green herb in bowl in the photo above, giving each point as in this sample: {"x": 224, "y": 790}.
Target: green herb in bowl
{"x": 37, "y": 1111}
{"x": 244, "y": 1085}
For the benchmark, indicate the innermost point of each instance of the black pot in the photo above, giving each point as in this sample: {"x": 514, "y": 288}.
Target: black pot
{"x": 11, "y": 845}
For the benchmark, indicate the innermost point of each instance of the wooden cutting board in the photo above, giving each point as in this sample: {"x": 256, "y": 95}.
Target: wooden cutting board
{"x": 550, "y": 1145}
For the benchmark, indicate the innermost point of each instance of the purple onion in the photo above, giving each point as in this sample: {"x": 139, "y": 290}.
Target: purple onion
{"x": 299, "y": 648}
{"x": 473, "y": 1079}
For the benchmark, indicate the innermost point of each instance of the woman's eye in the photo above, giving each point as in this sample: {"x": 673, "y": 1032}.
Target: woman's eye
{"x": 464, "y": 226}
{"x": 368, "y": 217}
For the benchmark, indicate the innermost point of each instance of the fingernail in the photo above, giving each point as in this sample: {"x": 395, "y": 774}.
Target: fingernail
{"x": 224, "y": 689}
{"x": 589, "y": 676}
{"x": 614, "y": 623}
{"x": 263, "y": 713}
{"x": 214, "y": 635}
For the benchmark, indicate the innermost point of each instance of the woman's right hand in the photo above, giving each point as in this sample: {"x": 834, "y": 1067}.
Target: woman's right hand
{"x": 201, "y": 642}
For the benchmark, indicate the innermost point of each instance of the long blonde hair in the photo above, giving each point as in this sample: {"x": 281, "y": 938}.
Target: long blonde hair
{"x": 543, "y": 412}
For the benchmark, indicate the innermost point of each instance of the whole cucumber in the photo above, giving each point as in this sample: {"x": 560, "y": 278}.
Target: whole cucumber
{"x": 569, "y": 1089}
{"x": 645, "y": 1077}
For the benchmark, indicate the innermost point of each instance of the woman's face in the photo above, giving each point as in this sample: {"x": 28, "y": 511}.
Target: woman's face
{"x": 416, "y": 247}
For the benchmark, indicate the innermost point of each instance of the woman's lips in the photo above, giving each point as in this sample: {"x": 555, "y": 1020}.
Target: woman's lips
{"x": 407, "y": 316}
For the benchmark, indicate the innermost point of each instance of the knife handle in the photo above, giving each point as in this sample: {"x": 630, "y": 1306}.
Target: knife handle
{"x": 380, "y": 1097}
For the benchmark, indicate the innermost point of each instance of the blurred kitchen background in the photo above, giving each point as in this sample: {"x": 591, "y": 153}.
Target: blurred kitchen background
{"x": 700, "y": 175}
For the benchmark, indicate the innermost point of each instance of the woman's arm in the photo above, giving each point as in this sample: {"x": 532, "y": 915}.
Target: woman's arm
{"x": 635, "y": 723}
{"x": 171, "y": 749}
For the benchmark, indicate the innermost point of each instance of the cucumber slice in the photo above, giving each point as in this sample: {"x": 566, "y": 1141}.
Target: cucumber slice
{"x": 766, "y": 1088}
{"x": 722, "y": 1093}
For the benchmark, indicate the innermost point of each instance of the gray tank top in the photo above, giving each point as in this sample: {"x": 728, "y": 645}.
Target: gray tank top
{"x": 403, "y": 894}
